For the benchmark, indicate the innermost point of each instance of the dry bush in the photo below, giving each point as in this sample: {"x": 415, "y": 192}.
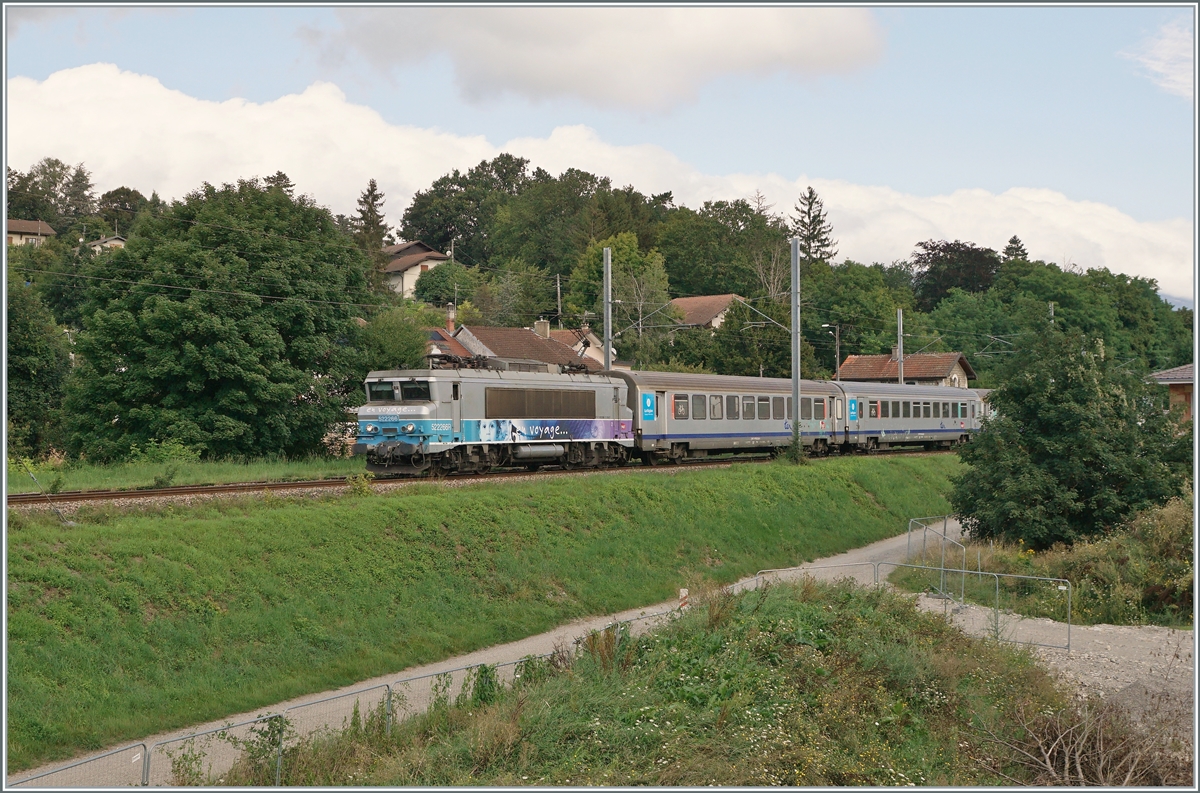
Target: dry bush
{"x": 1096, "y": 742}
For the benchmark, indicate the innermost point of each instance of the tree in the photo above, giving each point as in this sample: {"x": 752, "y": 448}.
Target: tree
{"x": 1078, "y": 443}
{"x": 449, "y": 282}
{"x": 371, "y": 230}
{"x": 237, "y": 337}
{"x": 38, "y": 364}
{"x": 120, "y": 206}
{"x": 394, "y": 339}
{"x": 1015, "y": 249}
{"x": 813, "y": 228}
{"x": 285, "y": 183}
{"x": 515, "y": 295}
{"x": 941, "y": 266}
{"x": 747, "y": 343}
{"x": 639, "y": 286}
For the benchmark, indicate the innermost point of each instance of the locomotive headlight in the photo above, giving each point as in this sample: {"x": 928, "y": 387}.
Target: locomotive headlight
{"x": 371, "y": 429}
{"x": 408, "y": 429}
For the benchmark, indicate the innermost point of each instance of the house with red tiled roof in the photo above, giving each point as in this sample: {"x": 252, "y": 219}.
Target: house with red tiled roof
{"x": 704, "y": 311}
{"x": 1179, "y": 382}
{"x": 406, "y": 262}
{"x": 521, "y": 349}
{"x": 442, "y": 342}
{"x": 922, "y": 368}
{"x": 27, "y": 232}
{"x": 583, "y": 341}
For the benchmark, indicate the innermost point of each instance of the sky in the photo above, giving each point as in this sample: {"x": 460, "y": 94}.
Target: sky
{"x": 1072, "y": 128}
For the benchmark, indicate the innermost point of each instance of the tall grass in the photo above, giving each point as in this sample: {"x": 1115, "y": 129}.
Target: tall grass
{"x": 60, "y": 475}
{"x": 809, "y": 684}
{"x": 136, "y": 622}
{"x": 1138, "y": 574}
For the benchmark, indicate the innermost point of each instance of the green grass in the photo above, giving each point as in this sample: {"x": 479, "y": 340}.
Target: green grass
{"x": 1138, "y": 574}
{"x": 132, "y": 475}
{"x": 136, "y": 622}
{"x": 809, "y": 684}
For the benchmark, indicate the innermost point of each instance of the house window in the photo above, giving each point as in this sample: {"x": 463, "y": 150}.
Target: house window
{"x": 424, "y": 267}
{"x": 698, "y": 411}
{"x": 681, "y": 406}
{"x": 731, "y": 406}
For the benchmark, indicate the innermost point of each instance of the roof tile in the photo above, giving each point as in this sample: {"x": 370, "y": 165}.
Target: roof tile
{"x": 919, "y": 366}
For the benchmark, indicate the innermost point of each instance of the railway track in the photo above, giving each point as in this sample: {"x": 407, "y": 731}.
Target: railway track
{"x": 180, "y": 491}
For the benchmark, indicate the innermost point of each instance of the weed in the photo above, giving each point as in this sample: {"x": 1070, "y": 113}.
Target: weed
{"x": 167, "y": 476}
{"x": 360, "y": 484}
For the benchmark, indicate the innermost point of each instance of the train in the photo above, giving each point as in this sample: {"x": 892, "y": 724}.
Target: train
{"x": 454, "y": 419}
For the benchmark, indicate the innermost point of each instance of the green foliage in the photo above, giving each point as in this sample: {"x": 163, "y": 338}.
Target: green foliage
{"x": 639, "y": 286}
{"x": 942, "y": 266}
{"x": 1078, "y": 443}
{"x": 514, "y": 295}
{"x": 726, "y": 247}
{"x": 810, "y": 684}
{"x": 395, "y": 339}
{"x": 1015, "y": 249}
{"x": 165, "y": 452}
{"x": 446, "y": 283}
{"x": 236, "y": 337}
{"x": 173, "y": 615}
{"x": 38, "y": 366}
{"x": 812, "y": 226}
{"x": 747, "y": 343}
{"x": 119, "y": 207}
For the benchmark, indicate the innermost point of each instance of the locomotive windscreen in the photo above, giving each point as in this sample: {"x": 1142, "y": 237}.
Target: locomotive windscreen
{"x": 529, "y": 403}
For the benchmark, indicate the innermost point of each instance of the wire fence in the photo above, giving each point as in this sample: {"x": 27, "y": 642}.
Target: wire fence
{"x": 204, "y": 757}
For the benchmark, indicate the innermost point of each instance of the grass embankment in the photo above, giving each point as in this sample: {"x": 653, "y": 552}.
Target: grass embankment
{"x": 809, "y": 684}
{"x": 60, "y": 475}
{"x": 1138, "y": 574}
{"x": 136, "y": 622}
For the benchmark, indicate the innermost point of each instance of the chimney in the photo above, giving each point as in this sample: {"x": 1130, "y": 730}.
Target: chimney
{"x": 450, "y": 315}
{"x": 542, "y": 328}
{"x": 894, "y": 353}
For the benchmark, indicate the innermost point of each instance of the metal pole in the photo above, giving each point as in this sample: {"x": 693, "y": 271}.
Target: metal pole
{"x": 837, "y": 350}
{"x": 607, "y": 309}
{"x": 900, "y": 343}
{"x": 558, "y": 291}
{"x": 796, "y": 436}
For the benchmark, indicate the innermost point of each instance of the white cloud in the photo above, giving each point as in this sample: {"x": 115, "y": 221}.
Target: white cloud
{"x": 153, "y": 138}
{"x": 645, "y": 58}
{"x": 1167, "y": 57}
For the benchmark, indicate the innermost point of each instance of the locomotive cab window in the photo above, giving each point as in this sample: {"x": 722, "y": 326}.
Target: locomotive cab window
{"x": 381, "y": 392}
{"x": 681, "y": 406}
{"x": 698, "y": 411}
{"x": 748, "y": 408}
{"x": 731, "y": 406}
{"x": 417, "y": 391}
{"x": 714, "y": 406}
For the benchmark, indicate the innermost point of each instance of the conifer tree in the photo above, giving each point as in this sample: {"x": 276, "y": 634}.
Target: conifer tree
{"x": 813, "y": 228}
{"x": 1015, "y": 249}
{"x": 371, "y": 230}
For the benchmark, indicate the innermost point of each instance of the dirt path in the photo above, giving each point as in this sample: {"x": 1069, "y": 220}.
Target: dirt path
{"x": 1131, "y": 663}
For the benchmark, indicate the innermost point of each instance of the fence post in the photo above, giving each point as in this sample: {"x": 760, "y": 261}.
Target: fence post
{"x": 1068, "y": 617}
{"x": 279, "y": 754}
{"x": 388, "y": 717}
{"x": 146, "y": 767}
{"x": 996, "y": 614}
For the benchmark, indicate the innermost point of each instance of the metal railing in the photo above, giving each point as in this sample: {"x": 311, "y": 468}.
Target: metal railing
{"x": 115, "y": 768}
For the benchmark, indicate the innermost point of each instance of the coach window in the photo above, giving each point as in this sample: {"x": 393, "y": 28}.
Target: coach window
{"x": 873, "y": 409}
{"x": 681, "y": 406}
{"x": 895, "y": 410}
{"x": 748, "y": 408}
{"x": 731, "y": 407}
{"x": 925, "y": 407}
{"x": 819, "y": 409}
{"x": 962, "y": 410}
{"x": 777, "y": 408}
{"x": 907, "y": 413}
{"x": 764, "y": 408}
{"x": 698, "y": 411}
{"x": 883, "y": 410}
{"x": 838, "y": 405}
{"x": 945, "y": 410}
{"x": 953, "y": 410}
{"x": 805, "y": 408}
{"x": 972, "y": 410}
{"x": 714, "y": 406}
{"x": 790, "y": 414}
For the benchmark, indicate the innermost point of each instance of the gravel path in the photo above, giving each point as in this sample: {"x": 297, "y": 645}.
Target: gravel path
{"x": 1134, "y": 664}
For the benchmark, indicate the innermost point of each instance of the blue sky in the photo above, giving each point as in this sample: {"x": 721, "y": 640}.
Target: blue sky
{"x": 929, "y": 102}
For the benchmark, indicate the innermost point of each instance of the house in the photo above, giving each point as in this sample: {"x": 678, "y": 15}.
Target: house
{"x": 922, "y": 368}
{"x": 705, "y": 311}
{"x": 582, "y": 341}
{"x": 98, "y": 246}
{"x": 1179, "y": 382}
{"x": 27, "y": 232}
{"x": 442, "y": 342}
{"x": 405, "y": 264}
{"x": 521, "y": 349}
